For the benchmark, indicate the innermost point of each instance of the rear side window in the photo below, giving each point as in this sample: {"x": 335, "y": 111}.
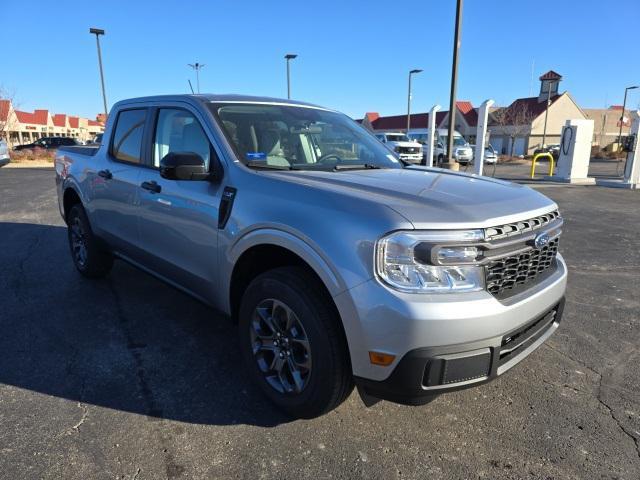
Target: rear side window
{"x": 127, "y": 138}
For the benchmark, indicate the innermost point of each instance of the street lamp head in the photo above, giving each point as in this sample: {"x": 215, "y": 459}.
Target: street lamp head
{"x": 633, "y": 87}
{"x": 416, "y": 70}
{"x": 96, "y": 31}
{"x": 290, "y": 56}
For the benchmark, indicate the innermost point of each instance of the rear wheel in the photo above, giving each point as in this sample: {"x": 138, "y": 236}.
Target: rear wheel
{"x": 293, "y": 344}
{"x": 88, "y": 256}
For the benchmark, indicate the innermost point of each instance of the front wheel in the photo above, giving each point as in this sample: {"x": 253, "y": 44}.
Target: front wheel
{"x": 88, "y": 256}
{"x": 292, "y": 343}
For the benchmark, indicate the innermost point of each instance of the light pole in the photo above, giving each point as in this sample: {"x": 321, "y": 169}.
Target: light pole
{"x": 546, "y": 113}
{"x": 97, "y": 32}
{"x": 417, "y": 70}
{"x": 288, "y": 57}
{"x": 451, "y": 163}
{"x": 624, "y": 106}
{"x": 197, "y": 67}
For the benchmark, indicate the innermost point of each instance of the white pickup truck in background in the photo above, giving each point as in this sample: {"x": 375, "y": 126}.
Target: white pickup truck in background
{"x": 407, "y": 149}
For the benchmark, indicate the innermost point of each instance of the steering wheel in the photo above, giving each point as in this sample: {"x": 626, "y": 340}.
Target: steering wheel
{"x": 327, "y": 157}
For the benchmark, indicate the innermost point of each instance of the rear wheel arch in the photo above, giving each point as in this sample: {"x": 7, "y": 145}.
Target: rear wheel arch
{"x": 69, "y": 199}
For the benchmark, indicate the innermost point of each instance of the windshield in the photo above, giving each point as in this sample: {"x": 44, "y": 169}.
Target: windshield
{"x": 292, "y": 137}
{"x": 397, "y": 138}
{"x": 458, "y": 141}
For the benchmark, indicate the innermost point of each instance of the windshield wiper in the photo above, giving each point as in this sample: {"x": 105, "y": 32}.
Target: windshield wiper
{"x": 267, "y": 166}
{"x": 360, "y": 166}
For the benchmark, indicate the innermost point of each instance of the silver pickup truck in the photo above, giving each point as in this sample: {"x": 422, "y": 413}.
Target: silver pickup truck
{"x": 342, "y": 265}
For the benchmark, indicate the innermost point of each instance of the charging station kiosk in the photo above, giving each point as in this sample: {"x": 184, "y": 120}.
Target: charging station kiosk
{"x": 575, "y": 153}
{"x": 631, "y": 177}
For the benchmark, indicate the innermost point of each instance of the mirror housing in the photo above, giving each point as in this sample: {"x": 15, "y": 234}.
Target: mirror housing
{"x": 184, "y": 166}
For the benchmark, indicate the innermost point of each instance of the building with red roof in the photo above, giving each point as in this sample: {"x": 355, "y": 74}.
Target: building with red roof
{"x": 518, "y": 127}
{"x": 20, "y": 127}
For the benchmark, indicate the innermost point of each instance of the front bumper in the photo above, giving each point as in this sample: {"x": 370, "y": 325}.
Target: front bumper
{"x": 420, "y": 329}
{"x": 411, "y": 157}
{"x": 426, "y": 372}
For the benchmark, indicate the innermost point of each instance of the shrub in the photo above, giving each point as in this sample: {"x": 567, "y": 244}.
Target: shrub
{"x": 33, "y": 154}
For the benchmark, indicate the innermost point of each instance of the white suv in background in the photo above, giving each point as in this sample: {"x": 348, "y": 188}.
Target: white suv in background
{"x": 4, "y": 153}
{"x": 407, "y": 149}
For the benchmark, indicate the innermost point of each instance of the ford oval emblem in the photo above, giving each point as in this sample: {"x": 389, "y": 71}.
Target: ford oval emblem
{"x": 541, "y": 240}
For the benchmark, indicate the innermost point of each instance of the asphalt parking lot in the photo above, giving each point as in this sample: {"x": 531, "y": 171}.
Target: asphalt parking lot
{"x": 129, "y": 378}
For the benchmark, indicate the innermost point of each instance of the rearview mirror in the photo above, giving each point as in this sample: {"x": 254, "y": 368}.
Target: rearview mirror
{"x": 183, "y": 166}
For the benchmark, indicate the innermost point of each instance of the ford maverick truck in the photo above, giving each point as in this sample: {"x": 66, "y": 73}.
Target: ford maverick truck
{"x": 341, "y": 264}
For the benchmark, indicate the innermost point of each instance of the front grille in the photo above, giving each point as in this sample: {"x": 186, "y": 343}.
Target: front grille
{"x": 408, "y": 149}
{"x": 516, "y": 228}
{"x": 505, "y": 274}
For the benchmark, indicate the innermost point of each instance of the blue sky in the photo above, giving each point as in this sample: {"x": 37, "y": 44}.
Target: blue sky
{"x": 353, "y": 55}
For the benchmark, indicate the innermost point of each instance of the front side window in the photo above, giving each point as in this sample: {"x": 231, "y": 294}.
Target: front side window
{"x": 127, "y": 138}
{"x": 299, "y": 138}
{"x": 179, "y": 131}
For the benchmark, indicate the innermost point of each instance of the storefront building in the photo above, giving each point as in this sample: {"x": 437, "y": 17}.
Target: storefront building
{"x": 19, "y": 127}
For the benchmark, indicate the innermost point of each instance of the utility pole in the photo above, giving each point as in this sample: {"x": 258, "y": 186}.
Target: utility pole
{"x": 451, "y": 163}
{"x": 417, "y": 70}
{"x": 97, "y": 32}
{"x": 197, "y": 67}
{"x": 289, "y": 57}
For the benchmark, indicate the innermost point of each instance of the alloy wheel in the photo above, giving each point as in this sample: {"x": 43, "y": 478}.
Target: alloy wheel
{"x": 78, "y": 242}
{"x": 280, "y": 347}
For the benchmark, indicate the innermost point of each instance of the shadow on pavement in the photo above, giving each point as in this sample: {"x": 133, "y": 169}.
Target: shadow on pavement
{"x": 128, "y": 342}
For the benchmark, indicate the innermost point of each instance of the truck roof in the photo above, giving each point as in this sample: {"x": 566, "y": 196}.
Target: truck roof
{"x": 213, "y": 98}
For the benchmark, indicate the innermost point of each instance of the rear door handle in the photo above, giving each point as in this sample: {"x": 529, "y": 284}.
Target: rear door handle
{"x": 105, "y": 174}
{"x": 152, "y": 186}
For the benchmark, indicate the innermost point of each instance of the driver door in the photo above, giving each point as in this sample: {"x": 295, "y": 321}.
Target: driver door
{"x": 178, "y": 219}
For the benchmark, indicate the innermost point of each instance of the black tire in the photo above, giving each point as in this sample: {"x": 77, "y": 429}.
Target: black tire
{"x": 329, "y": 379}
{"x": 88, "y": 255}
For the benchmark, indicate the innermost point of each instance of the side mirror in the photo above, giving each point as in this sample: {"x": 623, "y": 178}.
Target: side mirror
{"x": 183, "y": 166}
{"x": 440, "y": 145}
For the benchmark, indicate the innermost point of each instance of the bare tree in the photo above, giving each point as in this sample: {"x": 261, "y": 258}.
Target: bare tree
{"x": 514, "y": 121}
{"x": 6, "y": 119}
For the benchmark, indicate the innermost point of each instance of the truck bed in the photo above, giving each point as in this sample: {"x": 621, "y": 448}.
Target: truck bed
{"x": 88, "y": 151}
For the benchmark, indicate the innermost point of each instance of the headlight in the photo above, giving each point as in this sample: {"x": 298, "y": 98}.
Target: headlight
{"x": 430, "y": 262}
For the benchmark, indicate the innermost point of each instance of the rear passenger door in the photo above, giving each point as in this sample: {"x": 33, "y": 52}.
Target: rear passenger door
{"x": 179, "y": 218}
{"x": 114, "y": 184}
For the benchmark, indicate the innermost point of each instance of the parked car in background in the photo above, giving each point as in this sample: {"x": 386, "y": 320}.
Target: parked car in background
{"x": 4, "y": 153}
{"x": 407, "y": 149}
{"x": 340, "y": 263}
{"x": 97, "y": 140}
{"x": 553, "y": 149}
{"x": 490, "y": 155}
{"x": 49, "y": 143}
{"x": 462, "y": 153}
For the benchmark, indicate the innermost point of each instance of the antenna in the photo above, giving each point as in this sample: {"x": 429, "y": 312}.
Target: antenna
{"x": 190, "y": 86}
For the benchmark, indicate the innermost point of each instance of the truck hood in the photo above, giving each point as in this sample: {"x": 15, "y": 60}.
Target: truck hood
{"x": 432, "y": 197}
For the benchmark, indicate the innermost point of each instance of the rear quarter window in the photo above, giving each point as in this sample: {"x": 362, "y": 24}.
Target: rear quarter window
{"x": 127, "y": 136}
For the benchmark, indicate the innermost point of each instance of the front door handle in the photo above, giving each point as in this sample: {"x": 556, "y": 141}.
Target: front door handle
{"x": 152, "y": 186}
{"x": 105, "y": 174}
